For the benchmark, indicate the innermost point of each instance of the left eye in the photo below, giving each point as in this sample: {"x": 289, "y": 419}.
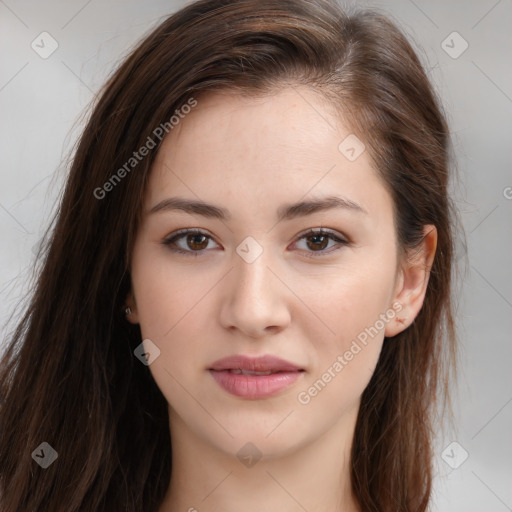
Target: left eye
{"x": 318, "y": 240}
{"x": 196, "y": 242}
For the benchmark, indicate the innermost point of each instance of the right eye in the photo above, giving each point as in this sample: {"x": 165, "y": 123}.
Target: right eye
{"x": 194, "y": 242}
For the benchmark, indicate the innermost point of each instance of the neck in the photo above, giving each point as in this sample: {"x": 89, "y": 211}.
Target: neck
{"x": 314, "y": 477}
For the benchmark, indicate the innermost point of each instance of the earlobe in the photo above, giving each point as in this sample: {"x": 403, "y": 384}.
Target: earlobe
{"x": 130, "y": 310}
{"x": 412, "y": 282}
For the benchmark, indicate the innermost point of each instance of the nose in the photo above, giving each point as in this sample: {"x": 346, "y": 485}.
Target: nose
{"x": 255, "y": 301}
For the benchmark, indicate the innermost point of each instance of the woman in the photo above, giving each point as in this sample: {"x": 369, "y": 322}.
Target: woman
{"x": 245, "y": 296}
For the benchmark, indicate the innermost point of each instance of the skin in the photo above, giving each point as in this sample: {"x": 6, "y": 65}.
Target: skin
{"x": 251, "y": 156}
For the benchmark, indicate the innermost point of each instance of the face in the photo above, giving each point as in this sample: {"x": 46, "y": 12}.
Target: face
{"x": 257, "y": 278}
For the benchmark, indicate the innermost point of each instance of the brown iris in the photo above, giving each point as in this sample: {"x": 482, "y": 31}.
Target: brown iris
{"x": 323, "y": 243}
{"x": 193, "y": 244}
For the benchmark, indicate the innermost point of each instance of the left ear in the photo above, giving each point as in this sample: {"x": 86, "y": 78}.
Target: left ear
{"x": 412, "y": 281}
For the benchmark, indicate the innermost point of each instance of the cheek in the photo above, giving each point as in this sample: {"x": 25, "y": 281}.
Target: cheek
{"x": 347, "y": 302}
{"x": 354, "y": 309}
{"x": 171, "y": 304}
{"x": 165, "y": 295}
{"x": 169, "y": 310}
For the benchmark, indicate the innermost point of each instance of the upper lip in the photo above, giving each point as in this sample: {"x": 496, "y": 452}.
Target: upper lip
{"x": 255, "y": 364}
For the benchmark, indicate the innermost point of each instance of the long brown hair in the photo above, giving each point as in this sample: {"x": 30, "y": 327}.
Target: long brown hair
{"x": 69, "y": 376}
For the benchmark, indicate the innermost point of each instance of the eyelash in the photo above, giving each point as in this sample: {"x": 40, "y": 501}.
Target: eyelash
{"x": 312, "y": 232}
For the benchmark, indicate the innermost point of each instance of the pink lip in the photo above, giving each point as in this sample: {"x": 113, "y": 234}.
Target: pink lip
{"x": 283, "y": 375}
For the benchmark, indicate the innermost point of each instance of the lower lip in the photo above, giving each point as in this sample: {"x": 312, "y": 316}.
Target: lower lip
{"x": 254, "y": 386}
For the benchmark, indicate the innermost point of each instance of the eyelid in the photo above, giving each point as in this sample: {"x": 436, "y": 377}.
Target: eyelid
{"x": 322, "y": 231}
{"x": 186, "y": 231}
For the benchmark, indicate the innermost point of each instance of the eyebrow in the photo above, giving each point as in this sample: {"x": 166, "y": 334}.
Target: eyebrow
{"x": 285, "y": 212}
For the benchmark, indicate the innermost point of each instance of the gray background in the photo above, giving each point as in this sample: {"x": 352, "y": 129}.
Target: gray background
{"x": 42, "y": 99}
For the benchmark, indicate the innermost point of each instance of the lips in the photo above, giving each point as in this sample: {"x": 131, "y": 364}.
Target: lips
{"x": 264, "y": 365}
{"x": 254, "y": 378}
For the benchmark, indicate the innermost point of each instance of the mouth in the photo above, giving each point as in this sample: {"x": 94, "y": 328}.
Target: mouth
{"x": 255, "y": 378}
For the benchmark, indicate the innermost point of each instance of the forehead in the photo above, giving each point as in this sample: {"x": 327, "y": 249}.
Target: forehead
{"x": 272, "y": 148}
{"x": 269, "y": 124}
